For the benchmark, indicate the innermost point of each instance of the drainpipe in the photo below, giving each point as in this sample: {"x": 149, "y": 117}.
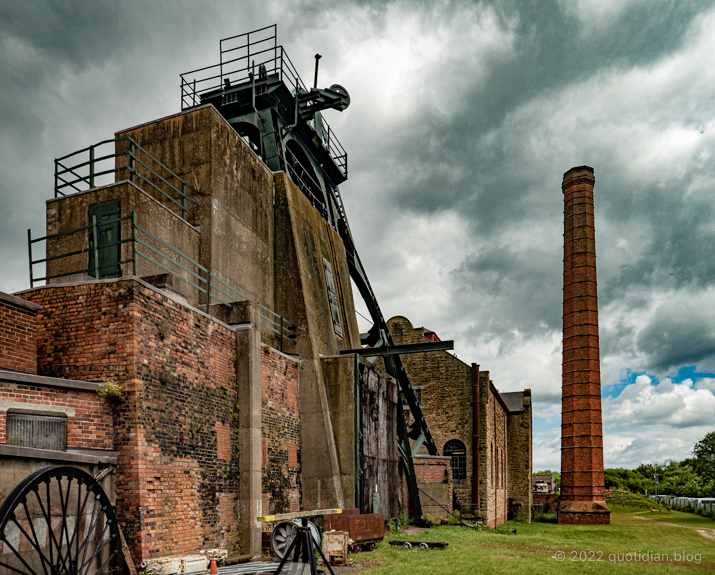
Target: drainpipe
{"x": 496, "y": 461}
{"x": 475, "y": 436}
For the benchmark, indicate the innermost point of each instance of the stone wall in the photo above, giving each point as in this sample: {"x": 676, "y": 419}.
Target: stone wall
{"x": 281, "y": 432}
{"x": 493, "y": 454}
{"x": 444, "y": 384}
{"x": 446, "y": 395}
{"x": 520, "y": 456}
{"x": 18, "y": 334}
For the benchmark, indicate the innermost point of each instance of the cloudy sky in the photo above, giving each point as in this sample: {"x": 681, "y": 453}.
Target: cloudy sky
{"x": 464, "y": 117}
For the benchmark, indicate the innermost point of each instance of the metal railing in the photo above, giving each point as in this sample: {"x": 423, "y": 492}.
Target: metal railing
{"x": 305, "y": 181}
{"x": 91, "y": 167}
{"x": 332, "y": 144}
{"x": 201, "y": 278}
{"x": 240, "y": 57}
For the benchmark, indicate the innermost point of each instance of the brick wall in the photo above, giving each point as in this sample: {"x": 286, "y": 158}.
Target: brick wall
{"x": 434, "y": 476}
{"x": 177, "y": 486}
{"x": 18, "y": 334}
{"x": 89, "y": 428}
{"x": 281, "y": 432}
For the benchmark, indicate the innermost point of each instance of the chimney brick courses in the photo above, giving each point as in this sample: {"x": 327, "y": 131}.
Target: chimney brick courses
{"x": 582, "y": 483}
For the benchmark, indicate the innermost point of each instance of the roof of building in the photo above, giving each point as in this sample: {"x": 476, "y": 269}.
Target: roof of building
{"x": 514, "y": 400}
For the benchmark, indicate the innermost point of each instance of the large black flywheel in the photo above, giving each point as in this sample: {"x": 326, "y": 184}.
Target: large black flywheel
{"x": 59, "y": 521}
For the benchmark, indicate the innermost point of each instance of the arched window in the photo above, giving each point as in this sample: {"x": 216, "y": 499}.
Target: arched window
{"x": 456, "y": 450}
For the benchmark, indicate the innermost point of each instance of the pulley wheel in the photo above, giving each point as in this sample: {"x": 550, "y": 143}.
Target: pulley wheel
{"x": 59, "y": 520}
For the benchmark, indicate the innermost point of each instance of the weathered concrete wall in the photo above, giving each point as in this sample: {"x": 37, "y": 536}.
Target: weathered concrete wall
{"x": 280, "y": 432}
{"x": 340, "y": 374}
{"x": 177, "y": 470}
{"x": 18, "y": 334}
{"x": 72, "y": 212}
{"x": 15, "y": 469}
{"x": 302, "y": 296}
{"x": 235, "y": 210}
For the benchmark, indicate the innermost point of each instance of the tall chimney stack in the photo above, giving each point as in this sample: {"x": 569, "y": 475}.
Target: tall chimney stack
{"x": 582, "y": 485}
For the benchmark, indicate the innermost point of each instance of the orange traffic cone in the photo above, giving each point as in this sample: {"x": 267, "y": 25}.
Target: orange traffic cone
{"x": 212, "y": 569}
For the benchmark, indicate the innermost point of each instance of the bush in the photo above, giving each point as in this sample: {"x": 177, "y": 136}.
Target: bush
{"x": 112, "y": 392}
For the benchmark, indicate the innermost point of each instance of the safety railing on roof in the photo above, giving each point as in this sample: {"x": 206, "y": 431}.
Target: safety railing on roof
{"x": 197, "y": 276}
{"x": 305, "y": 181}
{"x": 241, "y": 57}
{"x": 96, "y": 165}
{"x": 331, "y": 143}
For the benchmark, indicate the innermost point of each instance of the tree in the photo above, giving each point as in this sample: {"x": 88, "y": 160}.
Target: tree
{"x": 704, "y": 460}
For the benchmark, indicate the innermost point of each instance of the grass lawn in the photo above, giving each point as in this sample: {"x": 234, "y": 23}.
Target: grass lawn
{"x": 597, "y": 549}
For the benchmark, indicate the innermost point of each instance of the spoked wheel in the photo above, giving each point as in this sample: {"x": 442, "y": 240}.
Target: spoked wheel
{"x": 59, "y": 521}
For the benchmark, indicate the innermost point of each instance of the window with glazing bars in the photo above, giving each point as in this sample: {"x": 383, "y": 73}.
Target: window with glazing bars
{"x": 456, "y": 450}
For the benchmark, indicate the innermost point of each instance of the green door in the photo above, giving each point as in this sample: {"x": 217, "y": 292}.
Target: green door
{"x": 108, "y": 247}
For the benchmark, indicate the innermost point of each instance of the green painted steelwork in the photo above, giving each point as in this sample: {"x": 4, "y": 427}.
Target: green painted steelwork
{"x": 69, "y": 173}
{"x": 104, "y": 253}
{"x": 401, "y": 349}
{"x": 203, "y": 279}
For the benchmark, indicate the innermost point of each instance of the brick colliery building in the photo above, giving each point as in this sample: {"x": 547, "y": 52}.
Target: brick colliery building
{"x": 202, "y": 269}
{"x": 234, "y": 406}
{"x": 486, "y": 434}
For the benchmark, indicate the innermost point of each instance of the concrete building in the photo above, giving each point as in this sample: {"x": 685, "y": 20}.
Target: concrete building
{"x": 488, "y": 440}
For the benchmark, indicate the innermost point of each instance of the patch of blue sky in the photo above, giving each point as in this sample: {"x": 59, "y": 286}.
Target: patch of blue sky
{"x": 628, "y": 377}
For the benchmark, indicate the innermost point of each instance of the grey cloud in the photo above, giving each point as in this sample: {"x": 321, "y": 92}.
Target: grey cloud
{"x": 513, "y": 295}
{"x": 680, "y": 333}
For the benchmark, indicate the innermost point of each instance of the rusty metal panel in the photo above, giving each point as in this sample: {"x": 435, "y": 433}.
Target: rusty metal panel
{"x": 368, "y": 527}
{"x": 339, "y": 522}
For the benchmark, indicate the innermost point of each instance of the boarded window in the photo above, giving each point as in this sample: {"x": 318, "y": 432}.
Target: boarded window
{"x": 37, "y": 431}
{"x": 457, "y": 452}
{"x": 333, "y": 298}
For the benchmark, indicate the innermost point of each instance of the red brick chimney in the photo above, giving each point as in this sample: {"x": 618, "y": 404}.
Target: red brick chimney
{"x": 582, "y": 486}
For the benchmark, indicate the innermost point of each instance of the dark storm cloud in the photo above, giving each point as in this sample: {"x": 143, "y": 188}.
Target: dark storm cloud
{"x": 73, "y": 72}
{"x": 551, "y": 54}
{"x": 464, "y": 160}
{"x": 680, "y": 333}
{"x": 513, "y": 295}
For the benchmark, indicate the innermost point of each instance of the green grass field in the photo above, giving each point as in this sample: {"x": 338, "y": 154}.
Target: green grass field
{"x": 635, "y": 542}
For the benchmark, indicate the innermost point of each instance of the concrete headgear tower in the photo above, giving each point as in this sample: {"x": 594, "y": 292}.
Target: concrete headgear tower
{"x": 582, "y": 484}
